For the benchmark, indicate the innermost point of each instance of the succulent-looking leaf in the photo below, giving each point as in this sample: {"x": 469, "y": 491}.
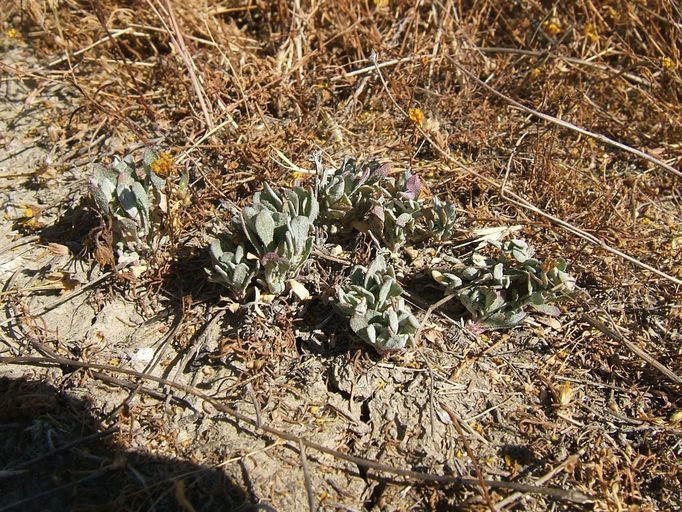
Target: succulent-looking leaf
{"x": 265, "y": 227}
{"x": 372, "y": 302}
{"x": 498, "y": 291}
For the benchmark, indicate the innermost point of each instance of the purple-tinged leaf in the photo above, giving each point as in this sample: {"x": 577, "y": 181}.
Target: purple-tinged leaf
{"x": 412, "y": 187}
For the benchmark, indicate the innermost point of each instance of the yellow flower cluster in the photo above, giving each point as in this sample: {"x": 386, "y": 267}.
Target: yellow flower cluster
{"x": 162, "y": 166}
{"x": 591, "y": 34}
{"x": 416, "y": 115}
{"x": 667, "y": 62}
{"x": 552, "y": 26}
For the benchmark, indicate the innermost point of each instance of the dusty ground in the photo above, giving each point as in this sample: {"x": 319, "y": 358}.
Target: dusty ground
{"x": 558, "y": 406}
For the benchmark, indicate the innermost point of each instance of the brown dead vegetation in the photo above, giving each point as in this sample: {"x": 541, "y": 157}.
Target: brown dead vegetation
{"x": 224, "y": 85}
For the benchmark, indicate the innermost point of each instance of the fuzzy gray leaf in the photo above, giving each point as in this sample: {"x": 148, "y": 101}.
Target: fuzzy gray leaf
{"x": 265, "y": 227}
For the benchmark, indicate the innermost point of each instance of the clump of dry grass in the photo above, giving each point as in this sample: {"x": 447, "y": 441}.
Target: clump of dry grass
{"x": 223, "y": 84}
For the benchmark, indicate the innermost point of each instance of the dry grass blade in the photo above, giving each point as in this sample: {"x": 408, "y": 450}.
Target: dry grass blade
{"x": 632, "y": 347}
{"x": 566, "y": 124}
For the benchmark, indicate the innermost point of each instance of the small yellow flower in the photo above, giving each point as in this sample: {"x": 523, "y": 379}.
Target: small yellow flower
{"x": 380, "y": 3}
{"x": 12, "y": 33}
{"x": 667, "y": 62}
{"x": 535, "y": 74}
{"x": 162, "y": 166}
{"x": 591, "y": 33}
{"x": 552, "y": 26}
{"x": 416, "y": 115}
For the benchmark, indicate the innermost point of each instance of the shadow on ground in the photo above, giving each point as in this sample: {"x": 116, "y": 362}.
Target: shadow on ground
{"x": 54, "y": 455}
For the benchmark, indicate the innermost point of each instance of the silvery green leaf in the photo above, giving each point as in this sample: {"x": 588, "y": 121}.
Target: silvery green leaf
{"x": 239, "y": 253}
{"x": 149, "y": 156}
{"x": 240, "y": 276}
{"x": 335, "y": 192}
{"x": 300, "y": 226}
{"x": 385, "y": 290}
{"x": 216, "y": 249}
{"x": 100, "y": 197}
{"x": 411, "y": 322}
{"x": 273, "y": 198}
{"x": 503, "y": 321}
{"x": 265, "y": 227}
{"x": 403, "y": 219}
{"x": 377, "y": 265}
{"x": 547, "y": 309}
{"x": 358, "y": 323}
{"x": 393, "y": 321}
{"x": 142, "y": 202}
{"x": 519, "y": 253}
{"x": 370, "y": 333}
{"x": 157, "y": 181}
{"x": 393, "y": 344}
{"x": 124, "y": 166}
{"x": 491, "y": 298}
{"x": 307, "y": 249}
{"x": 469, "y": 273}
{"x": 126, "y": 198}
{"x": 478, "y": 260}
{"x": 248, "y": 226}
{"x": 103, "y": 174}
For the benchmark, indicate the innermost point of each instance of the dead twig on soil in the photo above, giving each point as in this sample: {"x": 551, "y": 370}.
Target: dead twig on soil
{"x": 513, "y": 498}
{"x": 568, "y": 495}
{"x": 417, "y": 337}
{"x": 479, "y": 474}
{"x": 306, "y": 476}
{"x": 67, "y": 296}
{"x": 632, "y": 347}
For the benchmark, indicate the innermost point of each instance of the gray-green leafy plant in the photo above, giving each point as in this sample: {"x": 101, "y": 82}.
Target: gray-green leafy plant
{"x": 499, "y": 291}
{"x": 440, "y": 220}
{"x": 129, "y": 198}
{"x": 270, "y": 241}
{"x": 397, "y": 210}
{"x": 371, "y": 300}
{"x": 231, "y": 266}
{"x": 389, "y": 206}
{"x": 346, "y": 194}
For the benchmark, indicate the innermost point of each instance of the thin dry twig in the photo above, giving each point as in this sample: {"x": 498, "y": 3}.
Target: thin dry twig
{"x": 513, "y": 498}
{"x": 565, "y": 124}
{"x": 569, "y": 495}
{"x": 632, "y": 347}
{"x": 306, "y": 476}
{"x": 479, "y": 474}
